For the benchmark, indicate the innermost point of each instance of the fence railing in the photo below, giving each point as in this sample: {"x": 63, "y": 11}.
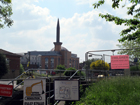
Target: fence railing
{"x": 87, "y": 76}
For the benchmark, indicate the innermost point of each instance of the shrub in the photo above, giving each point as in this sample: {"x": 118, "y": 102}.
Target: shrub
{"x": 99, "y": 65}
{"x": 134, "y": 68}
{"x": 3, "y": 65}
{"x": 69, "y": 71}
{"x": 113, "y": 91}
{"x": 21, "y": 69}
{"x": 60, "y": 67}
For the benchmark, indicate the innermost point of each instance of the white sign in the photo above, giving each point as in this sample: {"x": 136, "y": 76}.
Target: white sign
{"x": 34, "y": 92}
{"x": 66, "y": 90}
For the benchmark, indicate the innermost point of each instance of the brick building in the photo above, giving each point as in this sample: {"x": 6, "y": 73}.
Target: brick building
{"x": 50, "y": 59}
{"x": 13, "y": 63}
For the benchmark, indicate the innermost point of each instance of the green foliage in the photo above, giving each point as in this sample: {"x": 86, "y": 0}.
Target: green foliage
{"x": 134, "y": 53}
{"x": 113, "y": 91}
{"x": 21, "y": 69}
{"x": 99, "y": 65}
{"x": 60, "y": 67}
{"x": 69, "y": 71}
{"x": 5, "y": 13}
{"x": 135, "y": 68}
{"x": 9, "y": 1}
{"x": 88, "y": 62}
{"x": 133, "y": 30}
{"x": 3, "y": 65}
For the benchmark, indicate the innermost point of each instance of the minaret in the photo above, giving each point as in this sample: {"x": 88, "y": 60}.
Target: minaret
{"x": 57, "y": 43}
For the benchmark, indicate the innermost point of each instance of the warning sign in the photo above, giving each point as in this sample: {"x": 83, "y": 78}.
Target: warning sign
{"x": 66, "y": 90}
{"x": 120, "y": 62}
{"x": 34, "y": 92}
{"x": 6, "y": 90}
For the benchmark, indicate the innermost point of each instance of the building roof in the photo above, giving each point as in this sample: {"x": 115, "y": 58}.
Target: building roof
{"x": 8, "y": 53}
{"x": 74, "y": 55}
{"x": 62, "y": 48}
{"x": 43, "y": 53}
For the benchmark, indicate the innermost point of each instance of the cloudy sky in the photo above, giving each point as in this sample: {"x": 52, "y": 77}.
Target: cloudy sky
{"x": 81, "y": 29}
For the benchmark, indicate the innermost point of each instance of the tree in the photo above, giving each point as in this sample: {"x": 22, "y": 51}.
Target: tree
{"x": 21, "y": 69}
{"x": 70, "y": 71}
{"x": 3, "y": 65}
{"x": 88, "y": 62}
{"x": 99, "y": 65}
{"x": 134, "y": 45}
{"x": 60, "y": 67}
{"x": 5, "y": 13}
{"x": 133, "y": 30}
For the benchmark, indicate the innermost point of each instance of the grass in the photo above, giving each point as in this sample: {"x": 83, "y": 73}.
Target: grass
{"x": 113, "y": 91}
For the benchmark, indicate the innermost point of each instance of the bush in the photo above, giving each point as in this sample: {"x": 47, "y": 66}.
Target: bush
{"x": 113, "y": 91}
{"x": 99, "y": 65}
{"x": 60, "y": 67}
{"x": 3, "y": 65}
{"x": 70, "y": 71}
{"x": 21, "y": 69}
{"x": 135, "y": 68}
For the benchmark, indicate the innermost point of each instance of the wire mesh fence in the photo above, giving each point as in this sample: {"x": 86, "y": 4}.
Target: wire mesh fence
{"x": 86, "y": 77}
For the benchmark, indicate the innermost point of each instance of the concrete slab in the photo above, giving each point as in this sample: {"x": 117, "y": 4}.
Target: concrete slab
{"x": 61, "y": 103}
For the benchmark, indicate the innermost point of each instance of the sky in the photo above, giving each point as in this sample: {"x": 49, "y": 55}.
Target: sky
{"x": 81, "y": 28}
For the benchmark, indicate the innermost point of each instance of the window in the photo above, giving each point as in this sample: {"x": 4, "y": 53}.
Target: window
{"x": 46, "y": 63}
{"x": 52, "y": 62}
{"x": 72, "y": 63}
{"x": 58, "y": 61}
{"x": 7, "y": 61}
{"x": 77, "y": 64}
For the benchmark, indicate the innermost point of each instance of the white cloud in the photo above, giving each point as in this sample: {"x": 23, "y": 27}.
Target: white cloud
{"x": 35, "y": 29}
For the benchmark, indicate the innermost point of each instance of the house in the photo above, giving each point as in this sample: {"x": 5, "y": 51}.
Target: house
{"x": 13, "y": 63}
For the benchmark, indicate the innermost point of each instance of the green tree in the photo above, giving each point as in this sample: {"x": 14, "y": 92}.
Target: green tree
{"x": 99, "y": 65}
{"x": 133, "y": 30}
{"x": 69, "y": 71}
{"x": 3, "y": 65}
{"x": 21, "y": 69}
{"x": 60, "y": 67}
{"x": 5, "y": 13}
{"x": 134, "y": 45}
{"x": 88, "y": 62}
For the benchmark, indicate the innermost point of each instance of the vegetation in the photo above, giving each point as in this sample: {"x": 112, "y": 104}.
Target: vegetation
{"x": 113, "y": 91}
{"x": 3, "y": 65}
{"x": 88, "y": 62}
{"x": 132, "y": 32}
{"x": 60, "y": 67}
{"x": 134, "y": 53}
{"x": 135, "y": 68}
{"x": 5, "y": 13}
{"x": 21, "y": 69}
{"x": 70, "y": 71}
{"x": 99, "y": 65}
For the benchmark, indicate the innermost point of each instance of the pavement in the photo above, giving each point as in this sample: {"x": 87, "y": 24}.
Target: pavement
{"x": 61, "y": 103}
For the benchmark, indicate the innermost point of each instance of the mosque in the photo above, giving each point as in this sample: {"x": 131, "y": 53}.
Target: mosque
{"x": 50, "y": 59}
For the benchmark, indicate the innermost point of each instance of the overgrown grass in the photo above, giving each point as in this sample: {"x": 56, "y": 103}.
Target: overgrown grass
{"x": 113, "y": 91}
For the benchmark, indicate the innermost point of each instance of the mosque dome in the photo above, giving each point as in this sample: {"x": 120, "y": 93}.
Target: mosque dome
{"x": 62, "y": 48}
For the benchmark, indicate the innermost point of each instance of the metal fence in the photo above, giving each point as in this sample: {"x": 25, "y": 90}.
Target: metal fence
{"x": 49, "y": 74}
{"x": 105, "y": 56}
{"x": 86, "y": 77}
